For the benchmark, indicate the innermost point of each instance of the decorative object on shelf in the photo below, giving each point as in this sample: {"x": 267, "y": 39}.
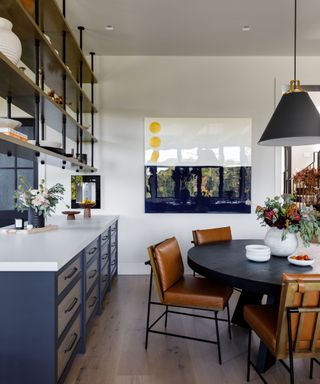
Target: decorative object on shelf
{"x": 286, "y": 219}
{"x": 28, "y": 5}
{"x": 19, "y": 223}
{"x": 70, "y": 214}
{"x": 13, "y": 133}
{"x": 10, "y": 44}
{"x": 82, "y": 158}
{"x": 296, "y": 119}
{"x": 40, "y": 202}
{"x": 10, "y": 123}
{"x": 306, "y": 185}
{"x": 87, "y": 205}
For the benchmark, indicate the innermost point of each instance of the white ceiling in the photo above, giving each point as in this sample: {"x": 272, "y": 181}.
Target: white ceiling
{"x": 196, "y": 27}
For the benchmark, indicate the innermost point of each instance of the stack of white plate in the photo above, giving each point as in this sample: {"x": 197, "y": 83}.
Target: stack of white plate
{"x": 257, "y": 252}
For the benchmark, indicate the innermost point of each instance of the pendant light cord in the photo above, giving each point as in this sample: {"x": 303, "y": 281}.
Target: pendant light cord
{"x": 295, "y": 44}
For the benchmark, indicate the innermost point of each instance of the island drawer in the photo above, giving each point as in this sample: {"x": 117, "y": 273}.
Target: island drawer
{"x": 91, "y": 250}
{"x": 68, "y": 275}
{"x": 104, "y": 237}
{"x": 105, "y": 277}
{"x": 68, "y": 307}
{"x": 91, "y": 274}
{"x": 104, "y": 256}
{"x": 68, "y": 345}
{"x": 91, "y": 303}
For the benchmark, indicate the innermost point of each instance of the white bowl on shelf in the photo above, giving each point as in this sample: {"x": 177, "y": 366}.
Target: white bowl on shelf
{"x": 9, "y": 123}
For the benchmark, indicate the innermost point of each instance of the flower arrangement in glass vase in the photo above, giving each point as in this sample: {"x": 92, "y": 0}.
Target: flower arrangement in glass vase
{"x": 39, "y": 202}
{"x": 286, "y": 219}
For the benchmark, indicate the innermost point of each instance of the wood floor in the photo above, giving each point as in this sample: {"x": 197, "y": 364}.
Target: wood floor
{"x": 116, "y": 355}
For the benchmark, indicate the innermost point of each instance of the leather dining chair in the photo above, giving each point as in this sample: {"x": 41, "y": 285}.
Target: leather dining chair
{"x": 211, "y": 236}
{"x": 290, "y": 329}
{"x": 183, "y": 291}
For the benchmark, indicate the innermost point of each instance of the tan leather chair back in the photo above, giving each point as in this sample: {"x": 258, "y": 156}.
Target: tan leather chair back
{"x": 213, "y": 235}
{"x": 300, "y": 291}
{"x": 166, "y": 263}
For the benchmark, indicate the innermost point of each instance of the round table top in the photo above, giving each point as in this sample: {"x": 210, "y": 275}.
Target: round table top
{"x": 227, "y": 262}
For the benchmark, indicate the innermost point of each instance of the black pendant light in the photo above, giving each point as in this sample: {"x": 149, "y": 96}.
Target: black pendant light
{"x": 296, "y": 120}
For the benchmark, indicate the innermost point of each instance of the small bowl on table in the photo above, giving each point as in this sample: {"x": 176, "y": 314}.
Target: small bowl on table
{"x": 258, "y": 253}
{"x": 301, "y": 260}
{"x": 71, "y": 214}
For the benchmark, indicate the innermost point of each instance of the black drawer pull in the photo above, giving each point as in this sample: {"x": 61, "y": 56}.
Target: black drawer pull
{"x": 71, "y": 306}
{"x": 92, "y": 251}
{"x": 113, "y": 262}
{"x": 105, "y": 237}
{"x": 114, "y": 244}
{"x": 71, "y": 345}
{"x": 104, "y": 256}
{"x": 92, "y": 274}
{"x": 104, "y": 278}
{"x": 93, "y": 302}
{"x": 72, "y": 273}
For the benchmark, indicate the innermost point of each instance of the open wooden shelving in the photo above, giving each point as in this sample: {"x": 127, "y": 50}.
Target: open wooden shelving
{"x": 29, "y": 151}
{"x": 59, "y": 65}
{"x": 23, "y": 91}
{"x": 53, "y": 67}
{"x": 52, "y": 22}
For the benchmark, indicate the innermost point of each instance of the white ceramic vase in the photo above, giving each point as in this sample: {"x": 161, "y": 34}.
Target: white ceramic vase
{"x": 10, "y": 45}
{"x": 279, "y": 247}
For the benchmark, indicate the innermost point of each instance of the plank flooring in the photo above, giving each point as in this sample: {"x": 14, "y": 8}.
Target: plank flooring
{"x": 116, "y": 355}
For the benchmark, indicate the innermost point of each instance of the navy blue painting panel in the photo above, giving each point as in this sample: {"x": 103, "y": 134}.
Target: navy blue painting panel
{"x": 202, "y": 189}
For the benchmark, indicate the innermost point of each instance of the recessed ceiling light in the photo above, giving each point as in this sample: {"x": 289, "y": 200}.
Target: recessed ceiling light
{"x": 246, "y": 28}
{"x": 109, "y": 27}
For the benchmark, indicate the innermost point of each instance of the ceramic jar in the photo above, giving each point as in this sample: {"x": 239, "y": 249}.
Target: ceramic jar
{"x": 10, "y": 45}
{"x": 279, "y": 247}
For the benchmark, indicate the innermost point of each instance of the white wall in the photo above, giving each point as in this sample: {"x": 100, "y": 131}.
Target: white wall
{"x": 134, "y": 87}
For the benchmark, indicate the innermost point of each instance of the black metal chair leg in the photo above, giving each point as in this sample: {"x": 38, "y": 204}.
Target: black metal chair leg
{"x": 166, "y": 318}
{"x": 229, "y": 323}
{"x": 311, "y": 368}
{"x": 218, "y": 336}
{"x": 249, "y": 356}
{"x": 148, "y": 315}
{"x": 291, "y": 369}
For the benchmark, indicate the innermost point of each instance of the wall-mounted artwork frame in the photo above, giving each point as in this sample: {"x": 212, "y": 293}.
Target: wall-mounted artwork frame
{"x": 197, "y": 165}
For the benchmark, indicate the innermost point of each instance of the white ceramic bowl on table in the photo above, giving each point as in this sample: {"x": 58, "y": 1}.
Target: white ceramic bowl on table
{"x": 258, "y": 253}
{"x": 301, "y": 263}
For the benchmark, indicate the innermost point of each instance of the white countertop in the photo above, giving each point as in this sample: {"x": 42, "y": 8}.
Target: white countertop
{"x": 50, "y": 251}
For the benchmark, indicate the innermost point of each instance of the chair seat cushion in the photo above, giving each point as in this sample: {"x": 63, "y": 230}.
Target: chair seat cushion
{"x": 191, "y": 291}
{"x": 262, "y": 319}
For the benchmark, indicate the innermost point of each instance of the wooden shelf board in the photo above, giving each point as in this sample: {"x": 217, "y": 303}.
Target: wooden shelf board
{"x": 23, "y": 91}
{"x": 53, "y": 67}
{"x": 26, "y": 150}
{"x": 53, "y": 23}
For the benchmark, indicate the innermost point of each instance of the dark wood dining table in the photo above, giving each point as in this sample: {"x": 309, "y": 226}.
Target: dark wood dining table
{"x": 227, "y": 262}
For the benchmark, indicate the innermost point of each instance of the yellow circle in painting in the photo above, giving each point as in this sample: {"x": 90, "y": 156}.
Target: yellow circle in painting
{"x": 155, "y": 142}
{"x": 154, "y": 156}
{"x": 155, "y": 127}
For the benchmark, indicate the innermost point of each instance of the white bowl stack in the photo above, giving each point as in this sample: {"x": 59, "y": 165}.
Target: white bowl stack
{"x": 257, "y": 252}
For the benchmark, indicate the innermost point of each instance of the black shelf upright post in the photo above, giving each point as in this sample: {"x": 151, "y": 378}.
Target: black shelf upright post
{"x": 64, "y": 93}
{"x": 9, "y": 105}
{"x": 64, "y": 8}
{"x": 92, "y": 110}
{"x": 37, "y": 78}
{"x": 81, "y": 29}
